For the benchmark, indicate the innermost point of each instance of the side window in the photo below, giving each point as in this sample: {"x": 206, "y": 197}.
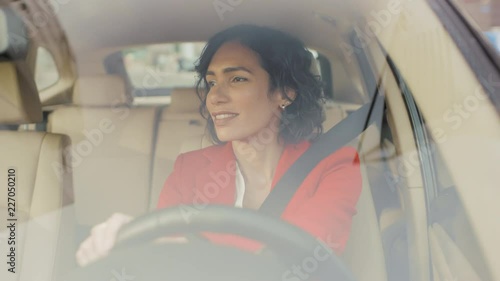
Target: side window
{"x": 484, "y": 16}
{"x": 46, "y": 73}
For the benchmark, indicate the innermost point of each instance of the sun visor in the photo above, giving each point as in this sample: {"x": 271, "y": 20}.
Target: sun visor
{"x": 14, "y": 41}
{"x": 19, "y": 100}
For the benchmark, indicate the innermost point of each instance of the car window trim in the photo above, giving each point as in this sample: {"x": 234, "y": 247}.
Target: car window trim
{"x": 480, "y": 55}
{"x": 422, "y": 140}
{"x": 363, "y": 59}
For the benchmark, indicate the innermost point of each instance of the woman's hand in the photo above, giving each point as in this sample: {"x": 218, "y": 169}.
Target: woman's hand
{"x": 101, "y": 240}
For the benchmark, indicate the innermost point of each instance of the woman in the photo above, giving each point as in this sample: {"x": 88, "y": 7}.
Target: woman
{"x": 263, "y": 108}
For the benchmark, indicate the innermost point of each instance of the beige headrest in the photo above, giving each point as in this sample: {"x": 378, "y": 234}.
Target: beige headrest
{"x": 19, "y": 100}
{"x": 184, "y": 100}
{"x": 102, "y": 90}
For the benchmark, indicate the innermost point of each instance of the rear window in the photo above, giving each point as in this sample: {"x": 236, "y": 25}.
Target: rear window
{"x": 46, "y": 73}
{"x": 162, "y": 66}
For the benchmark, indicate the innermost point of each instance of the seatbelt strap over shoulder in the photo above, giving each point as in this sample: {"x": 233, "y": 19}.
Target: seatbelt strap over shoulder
{"x": 337, "y": 137}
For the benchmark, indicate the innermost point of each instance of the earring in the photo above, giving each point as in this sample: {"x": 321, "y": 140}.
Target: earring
{"x": 283, "y": 106}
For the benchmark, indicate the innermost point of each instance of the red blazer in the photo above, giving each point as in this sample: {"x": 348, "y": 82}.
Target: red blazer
{"x": 323, "y": 205}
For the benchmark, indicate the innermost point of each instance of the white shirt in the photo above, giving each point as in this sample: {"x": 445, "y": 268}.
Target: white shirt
{"x": 240, "y": 187}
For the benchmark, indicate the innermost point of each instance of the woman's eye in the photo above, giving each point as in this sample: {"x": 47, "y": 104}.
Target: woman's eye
{"x": 239, "y": 79}
{"x": 211, "y": 83}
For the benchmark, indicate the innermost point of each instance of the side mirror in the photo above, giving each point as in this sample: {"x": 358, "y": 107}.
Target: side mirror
{"x": 14, "y": 39}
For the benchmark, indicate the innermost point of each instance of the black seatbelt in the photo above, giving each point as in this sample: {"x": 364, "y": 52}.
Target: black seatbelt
{"x": 337, "y": 137}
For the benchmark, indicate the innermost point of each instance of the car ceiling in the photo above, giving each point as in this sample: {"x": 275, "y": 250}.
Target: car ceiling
{"x": 86, "y": 31}
{"x": 91, "y": 25}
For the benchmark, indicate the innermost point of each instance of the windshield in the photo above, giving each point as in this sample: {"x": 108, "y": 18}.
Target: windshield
{"x": 121, "y": 167}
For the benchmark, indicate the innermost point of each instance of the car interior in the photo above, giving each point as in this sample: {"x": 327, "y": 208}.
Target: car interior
{"x": 94, "y": 142}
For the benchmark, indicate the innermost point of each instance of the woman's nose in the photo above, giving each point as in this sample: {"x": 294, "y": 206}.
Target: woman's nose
{"x": 218, "y": 94}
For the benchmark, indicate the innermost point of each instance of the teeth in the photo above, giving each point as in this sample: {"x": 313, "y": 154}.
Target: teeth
{"x": 224, "y": 116}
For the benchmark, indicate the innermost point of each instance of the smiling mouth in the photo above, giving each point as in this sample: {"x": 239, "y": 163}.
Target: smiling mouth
{"x": 223, "y": 119}
{"x": 225, "y": 116}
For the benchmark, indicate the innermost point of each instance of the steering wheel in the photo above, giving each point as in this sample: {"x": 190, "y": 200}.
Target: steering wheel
{"x": 290, "y": 252}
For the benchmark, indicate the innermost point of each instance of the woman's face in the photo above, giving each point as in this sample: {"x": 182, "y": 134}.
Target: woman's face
{"x": 238, "y": 101}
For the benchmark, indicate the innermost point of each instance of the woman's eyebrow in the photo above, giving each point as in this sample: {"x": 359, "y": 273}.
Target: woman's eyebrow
{"x": 231, "y": 69}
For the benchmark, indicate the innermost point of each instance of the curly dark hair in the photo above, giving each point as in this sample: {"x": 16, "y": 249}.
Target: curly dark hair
{"x": 288, "y": 64}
